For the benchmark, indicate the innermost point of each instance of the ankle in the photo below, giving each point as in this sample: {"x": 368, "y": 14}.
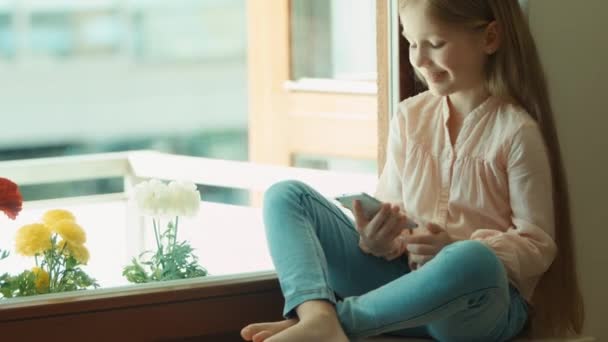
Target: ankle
{"x": 316, "y": 308}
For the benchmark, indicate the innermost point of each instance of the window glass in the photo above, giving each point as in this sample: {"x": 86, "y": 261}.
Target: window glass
{"x": 87, "y": 77}
{"x": 7, "y": 40}
{"x": 81, "y": 77}
{"x": 333, "y": 39}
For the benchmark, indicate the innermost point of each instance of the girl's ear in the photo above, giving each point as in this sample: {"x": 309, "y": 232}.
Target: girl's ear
{"x": 493, "y": 38}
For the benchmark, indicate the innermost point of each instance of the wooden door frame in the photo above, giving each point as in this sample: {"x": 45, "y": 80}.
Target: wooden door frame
{"x": 407, "y": 82}
{"x": 285, "y": 122}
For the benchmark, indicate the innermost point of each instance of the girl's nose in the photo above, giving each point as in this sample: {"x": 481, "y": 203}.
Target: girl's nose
{"x": 418, "y": 58}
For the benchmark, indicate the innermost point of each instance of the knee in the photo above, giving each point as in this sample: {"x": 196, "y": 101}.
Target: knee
{"x": 287, "y": 195}
{"x": 479, "y": 278}
{"x": 283, "y": 191}
{"x": 476, "y": 263}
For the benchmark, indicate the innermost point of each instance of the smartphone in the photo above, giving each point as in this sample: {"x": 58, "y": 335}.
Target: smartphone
{"x": 371, "y": 206}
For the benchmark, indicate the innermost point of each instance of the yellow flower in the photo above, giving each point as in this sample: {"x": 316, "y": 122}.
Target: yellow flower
{"x": 42, "y": 279}
{"x": 33, "y": 239}
{"x": 70, "y": 231}
{"x": 52, "y": 216}
{"x": 78, "y": 251}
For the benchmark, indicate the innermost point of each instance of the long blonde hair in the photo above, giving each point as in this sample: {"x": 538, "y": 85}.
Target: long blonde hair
{"x": 515, "y": 72}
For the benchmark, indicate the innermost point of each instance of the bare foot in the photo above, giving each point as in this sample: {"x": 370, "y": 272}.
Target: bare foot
{"x": 259, "y": 332}
{"x": 322, "y": 327}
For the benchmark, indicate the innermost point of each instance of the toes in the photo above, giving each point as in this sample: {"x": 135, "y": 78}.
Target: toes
{"x": 245, "y": 334}
{"x": 259, "y": 332}
{"x": 248, "y": 332}
{"x": 261, "y": 336}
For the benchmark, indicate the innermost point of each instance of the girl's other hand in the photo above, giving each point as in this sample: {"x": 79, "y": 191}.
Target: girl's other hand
{"x": 424, "y": 246}
{"x": 378, "y": 236}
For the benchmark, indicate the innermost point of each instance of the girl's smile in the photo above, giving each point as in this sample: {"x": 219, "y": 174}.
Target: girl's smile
{"x": 435, "y": 77}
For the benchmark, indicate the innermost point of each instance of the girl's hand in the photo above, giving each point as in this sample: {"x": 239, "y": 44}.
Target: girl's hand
{"x": 378, "y": 236}
{"x": 423, "y": 247}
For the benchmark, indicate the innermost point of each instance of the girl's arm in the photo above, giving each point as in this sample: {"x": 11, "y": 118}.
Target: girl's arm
{"x": 527, "y": 248}
{"x": 389, "y": 188}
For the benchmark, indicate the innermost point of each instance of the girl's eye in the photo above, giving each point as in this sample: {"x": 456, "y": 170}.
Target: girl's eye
{"x": 437, "y": 45}
{"x": 413, "y": 46}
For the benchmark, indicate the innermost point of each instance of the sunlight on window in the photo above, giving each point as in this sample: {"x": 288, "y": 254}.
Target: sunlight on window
{"x": 82, "y": 77}
{"x": 334, "y": 39}
{"x": 99, "y": 76}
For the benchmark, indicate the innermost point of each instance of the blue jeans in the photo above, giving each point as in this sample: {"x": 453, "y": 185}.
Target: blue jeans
{"x": 462, "y": 294}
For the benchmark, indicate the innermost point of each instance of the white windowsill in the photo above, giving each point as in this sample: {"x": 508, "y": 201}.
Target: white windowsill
{"x": 115, "y": 233}
{"x": 332, "y": 86}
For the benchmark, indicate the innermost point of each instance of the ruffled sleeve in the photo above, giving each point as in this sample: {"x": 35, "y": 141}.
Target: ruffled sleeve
{"x": 527, "y": 248}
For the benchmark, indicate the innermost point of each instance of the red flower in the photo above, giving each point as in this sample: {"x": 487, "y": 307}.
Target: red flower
{"x": 10, "y": 198}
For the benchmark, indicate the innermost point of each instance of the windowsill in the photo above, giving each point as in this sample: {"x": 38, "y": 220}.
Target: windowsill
{"x": 332, "y": 86}
{"x": 221, "y": 234}
{"x": 229, "y": 241}
{"x": 140, "y": 289}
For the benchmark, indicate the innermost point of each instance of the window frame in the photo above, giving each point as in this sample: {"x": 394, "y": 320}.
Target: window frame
{"x": 287, "y": 118}
{"x": 206, "y": 311}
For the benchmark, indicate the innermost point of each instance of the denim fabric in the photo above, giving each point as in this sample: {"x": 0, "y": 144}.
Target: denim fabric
{"x": 462, "y": 294}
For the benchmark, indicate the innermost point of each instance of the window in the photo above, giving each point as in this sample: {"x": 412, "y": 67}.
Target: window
{"x": 333, "y": 40}
{"x": 132, "y": 63}
{"x": 313, "y": 94}
{"x": 83, "y": 77}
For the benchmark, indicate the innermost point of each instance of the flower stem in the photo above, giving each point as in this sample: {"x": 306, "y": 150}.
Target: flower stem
{"x": 159, "y": 254}
{"x": 49, "y": 255}
{"x": 175, "y": 232}
{"x": 156, "y": 233}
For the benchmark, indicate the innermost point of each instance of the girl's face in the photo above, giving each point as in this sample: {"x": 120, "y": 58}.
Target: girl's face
{"x": 451, "y": 59}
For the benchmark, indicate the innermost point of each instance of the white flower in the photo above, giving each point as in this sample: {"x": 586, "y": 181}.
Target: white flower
{"x": 155, "y": 198}
{"x": 184, "y": 199}
{"x": 152, "y": 197}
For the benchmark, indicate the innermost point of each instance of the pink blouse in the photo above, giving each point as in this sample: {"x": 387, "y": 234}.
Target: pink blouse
{"x": 494, "y": 184}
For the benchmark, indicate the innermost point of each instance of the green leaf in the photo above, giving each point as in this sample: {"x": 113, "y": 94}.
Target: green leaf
{"x": 165, "y": 264}
{"x": 135, "y": 273}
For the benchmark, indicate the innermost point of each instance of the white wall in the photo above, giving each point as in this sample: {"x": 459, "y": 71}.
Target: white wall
{"x": 571, "y": 36}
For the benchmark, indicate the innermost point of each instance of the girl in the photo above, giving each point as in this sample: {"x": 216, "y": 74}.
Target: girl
{"x": 475, "y": 160}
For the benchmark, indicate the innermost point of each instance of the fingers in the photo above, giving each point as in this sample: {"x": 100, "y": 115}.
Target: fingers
{"x": 421, "y": 249}
{"x": 426, "y": 239}
{"x": 433, "y": 228}
{"x": 378, "y": 221}
{"x": 419, "y": 259}
{"x": 363, "y": 223}
{"x": 364, "y": 247}
{"x": 360, "y": 219}
{"x": 397, "y": 249}
{"x": 392, "y": 225}
{"x": 391, "y": 256}
{"x": 406, "y": 223}
{"x": 377, "y": 236}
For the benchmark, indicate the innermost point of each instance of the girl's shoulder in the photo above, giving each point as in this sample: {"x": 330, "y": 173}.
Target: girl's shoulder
{"x": 511, "y": 117}
{"x": 421, "y": 104}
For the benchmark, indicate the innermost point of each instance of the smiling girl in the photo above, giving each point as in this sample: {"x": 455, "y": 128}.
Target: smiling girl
{"x": 475, "y": 160}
